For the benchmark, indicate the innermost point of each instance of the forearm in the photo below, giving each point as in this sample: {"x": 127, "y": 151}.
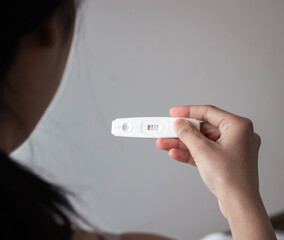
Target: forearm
{"x": 247, "y": 218}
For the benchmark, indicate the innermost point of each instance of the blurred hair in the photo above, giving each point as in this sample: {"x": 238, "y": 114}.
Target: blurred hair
{"x": 19, "y": 17}
{"x": 31, "y": 208}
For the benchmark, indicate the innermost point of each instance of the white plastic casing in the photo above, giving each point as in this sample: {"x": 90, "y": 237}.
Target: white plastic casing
{"x": 147, "y": 127}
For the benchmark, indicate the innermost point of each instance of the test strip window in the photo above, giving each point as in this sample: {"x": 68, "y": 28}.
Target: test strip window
{"x": 152, "y": 127}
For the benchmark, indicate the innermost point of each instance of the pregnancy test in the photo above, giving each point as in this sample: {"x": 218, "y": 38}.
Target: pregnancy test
{"x": 148, "y": 127}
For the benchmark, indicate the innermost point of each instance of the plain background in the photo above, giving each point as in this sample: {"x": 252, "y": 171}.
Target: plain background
{"x": 136, "y": 58}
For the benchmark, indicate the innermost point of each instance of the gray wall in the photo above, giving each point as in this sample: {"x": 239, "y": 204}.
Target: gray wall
{"x": 140, "y": 58}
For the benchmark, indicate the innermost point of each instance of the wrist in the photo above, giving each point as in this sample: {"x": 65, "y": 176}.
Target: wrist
{"x": 236, "y": 204}
{"x": 237, "y": 196}
{"x": 247, "y": 217}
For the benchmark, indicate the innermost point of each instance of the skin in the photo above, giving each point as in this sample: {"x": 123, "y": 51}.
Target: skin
{"x": 31, "y": 84}
{"x": 225, "y": 152}
{"x": 33, "y": 80}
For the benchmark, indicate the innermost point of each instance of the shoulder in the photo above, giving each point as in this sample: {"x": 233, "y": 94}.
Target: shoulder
{"x": 82, "y": 235}
{"x": 142, "y": 236}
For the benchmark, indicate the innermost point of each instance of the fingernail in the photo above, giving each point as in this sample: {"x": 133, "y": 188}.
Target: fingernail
{"x": 178, "y": 123}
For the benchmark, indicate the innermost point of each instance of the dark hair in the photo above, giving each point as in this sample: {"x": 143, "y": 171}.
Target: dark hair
{"x": 30, "y": 207}
{"x": 20, "y": 17}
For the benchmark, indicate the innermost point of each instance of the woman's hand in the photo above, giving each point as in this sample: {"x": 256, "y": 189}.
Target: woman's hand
{"x": 225, "y": 152}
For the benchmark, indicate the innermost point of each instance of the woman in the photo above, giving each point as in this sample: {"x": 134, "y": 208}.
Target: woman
{"x": 35, "y": 41}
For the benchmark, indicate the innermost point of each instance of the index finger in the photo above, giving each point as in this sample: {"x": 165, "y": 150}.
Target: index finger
{"x": 210, "y": 114}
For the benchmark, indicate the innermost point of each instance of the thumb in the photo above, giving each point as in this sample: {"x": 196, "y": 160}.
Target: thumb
{"x": 194, "y": 140}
